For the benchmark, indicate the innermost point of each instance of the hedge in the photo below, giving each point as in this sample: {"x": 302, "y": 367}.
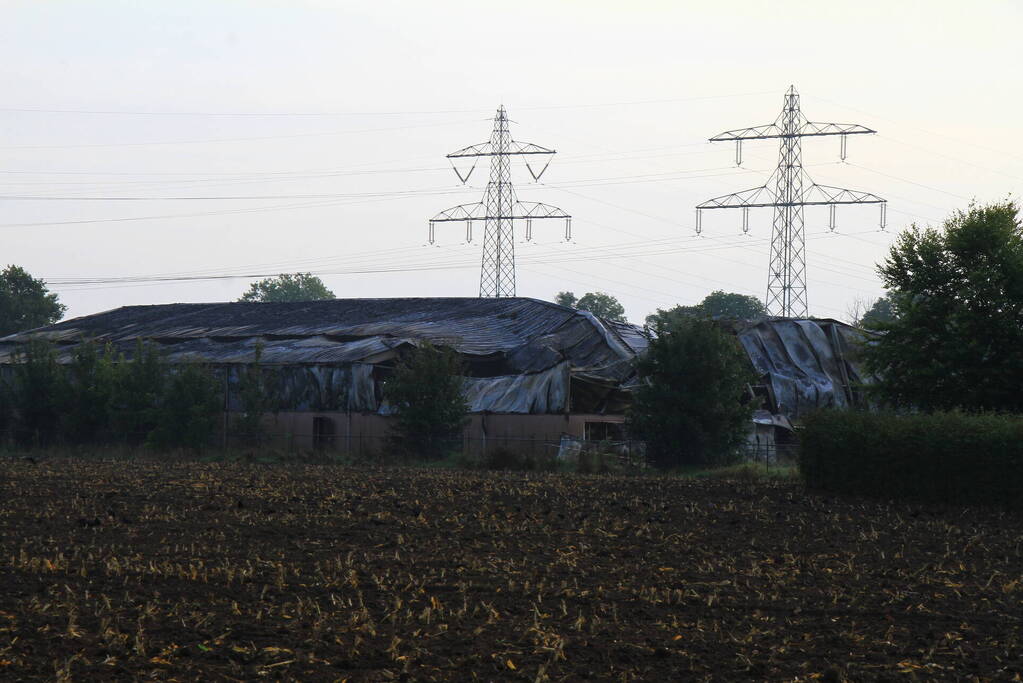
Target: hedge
{"x": 954, "y": 458}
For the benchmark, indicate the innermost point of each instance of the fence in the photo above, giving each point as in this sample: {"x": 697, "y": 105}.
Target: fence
{"x": 771, "y": 454}
{"x": 561, "y": 447}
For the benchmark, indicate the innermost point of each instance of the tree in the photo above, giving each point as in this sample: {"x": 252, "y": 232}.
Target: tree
{"x": 599, "y": 304}
{"x": 566, "y": 299}
{"x": 189, "y": 409}
{"x": 258, "y": 394}
{"x": 717, "y": 304}
{"x": 427, "y": 395}
{"x": 91, "y": 382}
{"x": 25, "y": 302}
{"x": 40, "y": 389}
{"x": 137, "y": 393}
{"x": 879, "y": 313}
{"x": 689, "y": 404}
{"x": 720, "y": 304}
{"x": 956, "y": 340}
{"x": 288, "y": 287}
{"x": 868, "y": 313}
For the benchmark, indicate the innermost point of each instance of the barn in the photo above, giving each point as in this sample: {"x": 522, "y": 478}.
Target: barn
{"x": 536, "y": 372}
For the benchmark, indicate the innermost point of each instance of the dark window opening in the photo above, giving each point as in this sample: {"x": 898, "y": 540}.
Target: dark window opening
{"x": 604, "y": 431}
{"x": 323, "y": 433}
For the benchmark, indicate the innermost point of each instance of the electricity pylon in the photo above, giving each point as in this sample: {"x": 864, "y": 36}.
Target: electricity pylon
{"x": 788, "y": 190}
{"x": 500, "y": 207}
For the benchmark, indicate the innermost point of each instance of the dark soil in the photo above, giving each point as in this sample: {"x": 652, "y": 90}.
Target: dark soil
{"x": 190, "y": 571}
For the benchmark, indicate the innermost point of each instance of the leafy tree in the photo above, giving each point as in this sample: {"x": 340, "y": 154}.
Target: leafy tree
{"x": 688, "y": 406}
{"x": 288, "y": 287}
{"x": 257, "y": 392}
{"x": 189, "y": 410}
{"x": 427, "y": 396}
{"x": 720, "y": 304}
{"x": 879, "y": 313}
{"x": 137, "y": 392}
{"x": 91, "y": 381}
{"x": 870, "y": 313}
{"x": 566, "y": 299}
{"x": 40, "y": 389}
{"x": 957, "y": 338}
{"x": 599, "y": 304}
{"x": 602, "y": 305}
{"x": 25, "y": 302}
{"x": 717, "y": 304}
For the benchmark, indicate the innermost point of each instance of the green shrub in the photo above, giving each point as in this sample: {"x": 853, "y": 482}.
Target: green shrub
{"x": 425, "y": 391}
{"x": 955, "y": 458}
{"x": 258, "y": 393}
{"x": 39, "y": 395}
{"x": 190, "y": 410}
{"x": 91, "y": 378}
{"x": 136, "y": 394}
{"x": 689, "y": 405}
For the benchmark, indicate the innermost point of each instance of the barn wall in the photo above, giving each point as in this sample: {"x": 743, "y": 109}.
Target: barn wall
{"x": 366, "y": 433}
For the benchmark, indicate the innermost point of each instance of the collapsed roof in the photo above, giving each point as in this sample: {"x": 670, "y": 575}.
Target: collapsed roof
{"x": 522, "y": 355}
{"x": 806, "y": 364}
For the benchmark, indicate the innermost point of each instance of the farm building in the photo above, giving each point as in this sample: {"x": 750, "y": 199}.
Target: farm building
{"x": 536, "y": 371}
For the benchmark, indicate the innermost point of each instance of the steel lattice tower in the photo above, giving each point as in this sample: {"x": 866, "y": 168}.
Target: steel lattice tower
{"x": 788, "y": 191}
{"x": 500, "y": 207}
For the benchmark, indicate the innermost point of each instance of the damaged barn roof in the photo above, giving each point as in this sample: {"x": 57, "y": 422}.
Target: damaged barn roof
{"x": 471, "y": 326}
{"x": 806, "y": 364}
{"x": 521, "y": 353}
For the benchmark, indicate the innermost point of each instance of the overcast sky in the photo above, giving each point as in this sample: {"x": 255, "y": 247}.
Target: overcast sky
{"x": 322, "y": 128}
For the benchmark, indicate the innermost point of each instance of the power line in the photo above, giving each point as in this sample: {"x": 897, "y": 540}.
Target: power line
{"x": 229, "y": 140}
{"x": 250, "y": 114}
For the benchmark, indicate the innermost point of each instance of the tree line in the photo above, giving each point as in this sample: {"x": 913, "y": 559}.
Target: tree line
{"x": 102, "y": 397}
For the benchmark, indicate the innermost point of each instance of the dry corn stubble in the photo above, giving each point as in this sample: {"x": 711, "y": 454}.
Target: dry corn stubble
{"x": 176, "y": 570}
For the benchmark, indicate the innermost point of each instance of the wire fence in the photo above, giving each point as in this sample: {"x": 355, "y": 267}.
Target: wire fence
{"x": 540, "y": 450}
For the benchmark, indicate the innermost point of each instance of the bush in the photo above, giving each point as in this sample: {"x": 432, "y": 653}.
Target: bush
{"x": 952, "y": 457}
{"x": 190, "y": 410}
{"x": 426, "y": 394}
{"x": 136, "y": 394}
{"x": 39, "y": 395}
{"x": 258, "y": 394}
{"x": 91, "y": 380}
{"x": 689, "y": 405}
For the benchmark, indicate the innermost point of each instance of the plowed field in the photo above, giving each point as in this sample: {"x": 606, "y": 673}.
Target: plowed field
{"x": 192, "y": 571}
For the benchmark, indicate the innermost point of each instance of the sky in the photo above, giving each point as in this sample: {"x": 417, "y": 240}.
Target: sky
{"x": 163, "y": 151}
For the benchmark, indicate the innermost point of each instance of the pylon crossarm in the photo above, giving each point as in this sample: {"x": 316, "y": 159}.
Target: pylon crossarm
{"x": 483, "y": 149}
{"x": 825, "y": 194}
{"x": 771, "y": 130}
{"x": 519, "y": 211}
{"x": 815, "y": 128}
{"x": 486, "y": 149}
{"x": 462, "y": 212}
{"x": 531, "y": 210}
{"x": 754, "y": 197}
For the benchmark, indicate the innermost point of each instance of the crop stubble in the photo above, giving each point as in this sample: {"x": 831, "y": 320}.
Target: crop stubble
{"x": 183, "y": 570}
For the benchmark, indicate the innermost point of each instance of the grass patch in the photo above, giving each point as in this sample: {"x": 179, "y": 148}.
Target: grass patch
{"x": 746, "y": 471}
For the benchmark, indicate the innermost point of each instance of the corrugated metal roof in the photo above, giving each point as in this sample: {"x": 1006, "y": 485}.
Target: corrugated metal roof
{"x": 522, "y": 352}
{"x": 807, "y": 364}
{"x": 479, "y": 325}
